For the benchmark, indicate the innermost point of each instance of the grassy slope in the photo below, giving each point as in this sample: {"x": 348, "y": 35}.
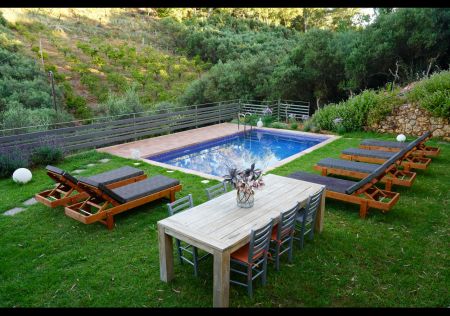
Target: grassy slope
{"x": 63, "y": 30}
{"x": 393, "y": 259}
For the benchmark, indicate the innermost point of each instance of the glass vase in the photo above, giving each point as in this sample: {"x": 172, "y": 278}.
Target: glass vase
{"x": 245, "y": 200}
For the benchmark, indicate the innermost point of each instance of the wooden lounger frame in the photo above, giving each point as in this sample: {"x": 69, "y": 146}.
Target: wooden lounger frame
{"x": 391, "y": 176}
{"x": 408, "y": 162}
{"x": 420, "y": 149}
{"x": 367, "y": 197}
{"x": 63, "y": 193}
{"x": 100, "y": 207}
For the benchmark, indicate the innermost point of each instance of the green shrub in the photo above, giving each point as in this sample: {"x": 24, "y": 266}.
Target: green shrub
{"x": 21, "y": 82}
{"x": 94, "y": 85}
{"x": 122, "y": 104}
{"x": 340, "y": 129}
{"x": 278, "y": 125}
{"x": 79, "y": 107}
{"x": 46, "y": 155}
{"x": 433, "y": 94}
{"x": 267, "y": 120}
{"x": 118, "y": 80}
{"x": 294, "y": 125}
{"x": 9, "y": 162}
{"x": 16, "y": 116}
{"x": 314, "y": 129}
{"x": 2, "y": 19}
{"x": 307, "y": 126}
{"x": 252, "y": 119}
{"x": 164, "y": 105}
{"x": 386, "y": 102}
{"x": 75, "y": 103}
{"x": 365, "y": 108}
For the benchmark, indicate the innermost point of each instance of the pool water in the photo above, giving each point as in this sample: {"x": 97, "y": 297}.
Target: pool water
{"x": 240, "y": 150}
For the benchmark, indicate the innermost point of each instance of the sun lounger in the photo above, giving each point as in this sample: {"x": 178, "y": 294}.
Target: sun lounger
{"x": 360, "y": 170}
{"x": 103, "y": 203}
{"x": 409, "y": 160}
{"x": 68, "y": 192}
{"x": 364, "y": 192}
{"x": 379, "y": 157}
{"x": 421, "y": 149}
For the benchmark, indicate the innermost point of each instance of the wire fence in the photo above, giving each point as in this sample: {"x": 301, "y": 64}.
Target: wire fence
{"x": 101, "y": 131}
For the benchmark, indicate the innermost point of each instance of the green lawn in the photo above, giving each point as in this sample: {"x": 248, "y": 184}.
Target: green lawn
{"x": 395, "y": 259}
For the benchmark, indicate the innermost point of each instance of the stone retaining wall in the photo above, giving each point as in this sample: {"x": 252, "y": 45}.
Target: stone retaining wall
{"x": 409, "y": 119}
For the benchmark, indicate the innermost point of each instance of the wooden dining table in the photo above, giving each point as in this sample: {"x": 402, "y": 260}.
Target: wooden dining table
{"x": 220, "y": 227}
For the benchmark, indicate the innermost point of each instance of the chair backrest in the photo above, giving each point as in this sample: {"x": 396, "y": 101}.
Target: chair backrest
{"x": 377, "y": 173}
{"x": 287, "y": 222}
{"x": 312, "y": 205}
{"x": 216, "y": 190}
{"x": 259, "y": 242}
{"x": 180, "y": 205}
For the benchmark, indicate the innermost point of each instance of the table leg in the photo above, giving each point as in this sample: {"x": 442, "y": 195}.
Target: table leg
{"x": 321, "y": 210}
{"x": 221, "y": 279}
{"x": 165, "y": 255}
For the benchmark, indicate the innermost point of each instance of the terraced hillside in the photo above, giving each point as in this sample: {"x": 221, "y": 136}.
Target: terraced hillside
{"x": 96, "y": 53}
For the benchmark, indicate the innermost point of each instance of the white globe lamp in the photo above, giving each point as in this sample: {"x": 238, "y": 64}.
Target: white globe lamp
{"x": 259, "y": 123}
{"x": 22, "y": 175}
{"x": 401, "y": 138}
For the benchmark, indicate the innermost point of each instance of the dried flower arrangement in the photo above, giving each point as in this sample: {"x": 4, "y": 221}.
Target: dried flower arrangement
{"x": 245, "y": 181}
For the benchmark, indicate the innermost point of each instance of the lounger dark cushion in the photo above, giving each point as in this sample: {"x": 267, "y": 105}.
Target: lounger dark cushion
{"x": 140, "y": 189}
{"x": 63, "y": 173}
{"x": 368, "y": 153}
{"x": 382, "y": 143}
{"x": 348, "y": 165}
{"x": 331, "y": 184}
{"x": 71, "y": 178}
{"x": 116, "y": 175}
{"x": 55, "y": 170}
{"x": 377, "y": 172}
{"x": 375, "y": 142}
{"x": 89, "y": 181}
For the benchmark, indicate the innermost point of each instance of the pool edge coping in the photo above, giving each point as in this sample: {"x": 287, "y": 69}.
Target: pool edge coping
{"x": 330, "y": 139}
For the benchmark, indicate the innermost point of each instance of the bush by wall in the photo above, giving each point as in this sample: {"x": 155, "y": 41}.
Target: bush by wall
{"x": 355, "y": 113}
{"x": 46, "y": 155}
{"x": 433, "y": 94}
{"x": 12, "y": 160}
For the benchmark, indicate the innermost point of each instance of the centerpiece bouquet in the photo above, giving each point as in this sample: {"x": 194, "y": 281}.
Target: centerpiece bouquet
{"x": 245, "y": 181}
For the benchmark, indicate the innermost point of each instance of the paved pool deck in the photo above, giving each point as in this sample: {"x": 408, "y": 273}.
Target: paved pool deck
{"x": 165, "y": 143}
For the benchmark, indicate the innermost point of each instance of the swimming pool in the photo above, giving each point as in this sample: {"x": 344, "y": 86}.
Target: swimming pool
{"x": 263, "y": 147}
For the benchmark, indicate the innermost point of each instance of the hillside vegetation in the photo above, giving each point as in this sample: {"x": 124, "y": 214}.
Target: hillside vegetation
{"x": 25, "y": 94}
{"x": 321, "y": 65}
{"x": 116, "y": 61}
{"x": 102, "y": 55}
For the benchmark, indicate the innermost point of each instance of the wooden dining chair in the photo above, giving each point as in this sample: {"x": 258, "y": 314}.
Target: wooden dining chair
{"x": 216, "y": 190}
{"x": 306, "y": 218}
{"x": 282, "y": 237}
{"x": 252, "y": 258}
{"x": 180, "y": 205}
